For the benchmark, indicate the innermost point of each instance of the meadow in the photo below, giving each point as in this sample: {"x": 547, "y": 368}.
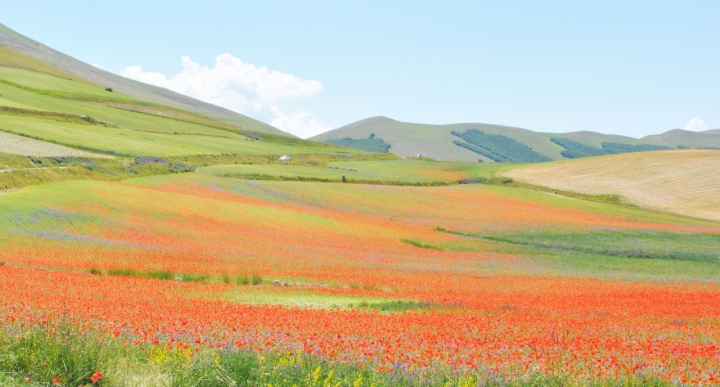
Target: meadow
{"x": 391, "y": 171}
{"x": 142, "y": 245}
{"x": 354, "y": 285}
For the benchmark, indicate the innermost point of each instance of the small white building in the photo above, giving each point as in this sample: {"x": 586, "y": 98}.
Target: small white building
{"x": 285, "y": 158}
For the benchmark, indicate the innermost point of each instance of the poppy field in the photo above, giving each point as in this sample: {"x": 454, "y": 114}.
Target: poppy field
{"x": 347, "y": 284}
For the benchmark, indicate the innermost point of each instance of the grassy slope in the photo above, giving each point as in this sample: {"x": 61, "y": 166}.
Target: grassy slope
{"x": 686, "y": 138}
{"x": 409, "y": 139}
{"x": 10, "y": 58}
{"x": 407, "y": 171}
{"x": 436, "y": 141}
{"x": 679, "y": 181}
{"x": 43, "y": 56}
{"x": 137, "y": 133}
{"x": 19, "y": 145}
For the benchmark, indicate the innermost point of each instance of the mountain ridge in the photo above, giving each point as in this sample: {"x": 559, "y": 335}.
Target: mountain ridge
{"x": 440, "y": 142}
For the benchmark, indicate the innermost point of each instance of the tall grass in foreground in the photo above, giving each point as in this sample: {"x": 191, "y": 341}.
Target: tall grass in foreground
{"x": 59, "y": 354}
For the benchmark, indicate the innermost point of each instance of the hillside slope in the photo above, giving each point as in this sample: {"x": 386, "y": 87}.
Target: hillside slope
{"x": 683, "y": 182}
{"x": 438, "y": 141}
{"x": 132, "y": 88}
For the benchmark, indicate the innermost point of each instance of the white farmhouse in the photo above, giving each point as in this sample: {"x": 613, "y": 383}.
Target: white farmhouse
{"x": 285, "y": 158}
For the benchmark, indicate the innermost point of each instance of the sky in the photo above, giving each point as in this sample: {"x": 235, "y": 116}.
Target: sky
{"x": 624, "y": 67}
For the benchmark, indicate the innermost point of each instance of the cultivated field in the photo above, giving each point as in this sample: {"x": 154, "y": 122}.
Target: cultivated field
{"x": 684, "y": 182}
{"x": 13, "y": 144}
{"x": 422, "y": 172}
{"x": 356, "y": 284}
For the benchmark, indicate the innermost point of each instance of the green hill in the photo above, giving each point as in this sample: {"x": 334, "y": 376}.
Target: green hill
{"x": 31, "y": 55}
{"x": 57, "y": 125}
{"x": 461, "y": 142}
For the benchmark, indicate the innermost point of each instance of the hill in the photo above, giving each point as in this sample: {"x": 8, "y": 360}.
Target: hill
{"x": 46, "y": 59}
{"x": 683, "y": 182}
{"x": 61, "y": 119}
{"x": 488, "y": 143}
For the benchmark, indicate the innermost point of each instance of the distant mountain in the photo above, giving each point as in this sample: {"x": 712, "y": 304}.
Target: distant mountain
{"x": 488, "y": 143}
{"x": 126, "y": 86}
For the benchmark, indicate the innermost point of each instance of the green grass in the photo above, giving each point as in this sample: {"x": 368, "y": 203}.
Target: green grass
{"x": 17, "y": 60}
{"x": 45, "y": 82}
{"x": 26, "y": 171}
{"x": 380, "y": 171}
{"x": 36, "y": 355}
{"x": 137, "y": 143}
{"x": 296, "y": 295}
{"x": 145, "y": 128}
{"x": 629, "y": 254}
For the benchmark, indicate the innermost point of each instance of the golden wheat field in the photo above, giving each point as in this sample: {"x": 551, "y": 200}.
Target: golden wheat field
{"x": 684, "y": 182}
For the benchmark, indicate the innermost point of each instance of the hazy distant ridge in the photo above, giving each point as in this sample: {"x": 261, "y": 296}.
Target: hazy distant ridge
{"x": 436, "y": 141}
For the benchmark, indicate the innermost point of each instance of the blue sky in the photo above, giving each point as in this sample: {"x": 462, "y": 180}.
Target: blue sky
{"x": 632, "y": 68}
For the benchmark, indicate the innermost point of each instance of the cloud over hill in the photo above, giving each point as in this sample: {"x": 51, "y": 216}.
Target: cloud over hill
{"x": 241, "y": 87}
{"x": 696, "y": 125}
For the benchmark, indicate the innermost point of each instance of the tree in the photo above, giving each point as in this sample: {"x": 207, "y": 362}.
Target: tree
{"x": 372, "y": 135}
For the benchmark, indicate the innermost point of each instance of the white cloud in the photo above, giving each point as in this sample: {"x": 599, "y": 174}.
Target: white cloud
{"x": 98, "y": 66}
{"x": 241, "y": 87}
{"x": 696, "y": 125}
{"x": 301, "y": 123}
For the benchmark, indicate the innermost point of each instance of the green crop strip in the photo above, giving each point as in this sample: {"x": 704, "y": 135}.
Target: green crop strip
{"x": 63, "y": 117}
{"x": 256, "y": 176}
{"x": 241, "y": 279}
{"x": 156, "y": 110}
{"x": 23, "y": 171}
{"x": 607, "y": 245}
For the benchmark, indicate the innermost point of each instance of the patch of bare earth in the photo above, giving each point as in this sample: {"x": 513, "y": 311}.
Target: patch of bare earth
{"x": 685, "y": 182}
{"x": 19, "y": 145}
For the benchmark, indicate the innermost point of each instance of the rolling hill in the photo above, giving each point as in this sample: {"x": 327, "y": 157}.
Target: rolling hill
{"x": 23, "y": 52}
{"x": 504, "y": 143}
{"x": 683, "y": 182}
{"x": 61, "y": 119}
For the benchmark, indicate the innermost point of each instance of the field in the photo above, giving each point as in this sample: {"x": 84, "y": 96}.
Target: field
{"x": 401, "y": 172}
{"x": 144, "y": 245}
{"x": 52, "y": 109}
{"x": 375, "y": 282}
{"x": 10, "y": 143}
{"x": 684, "y": 182}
